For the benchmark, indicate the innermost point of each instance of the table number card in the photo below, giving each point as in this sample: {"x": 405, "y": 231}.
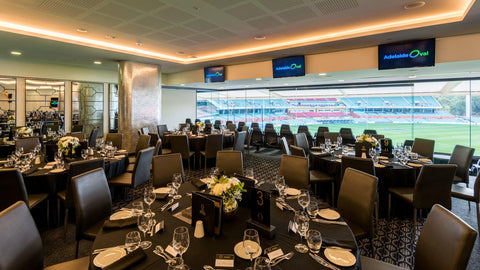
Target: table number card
{"x": 261, "y": 206}
{"x": 274, "y": 252}
{"x": 224, "y": 260}
{"x": 160, "y": 226}
{"x": 386, "y": 146}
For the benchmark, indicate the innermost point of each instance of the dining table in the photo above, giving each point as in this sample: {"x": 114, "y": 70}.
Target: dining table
{"x": 203, "y": 251}
{"x": 388, "y": 170}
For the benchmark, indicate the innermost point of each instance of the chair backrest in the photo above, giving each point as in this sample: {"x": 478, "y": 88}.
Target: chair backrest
{"x": 77, "y": 128}
{"x": 213, "y": 143}
{"x": 161, "y": 129}
{"x": 188, "y": 121}
{"x": 257, "y": 136}
{"x": 408, "y": 143}
{"x": 297, "y": 151}
{"x": 433, "y": 186}
{"x": 304, "y": 129}
{"x": 164, "y": 167}
{"x": 365, "y": 165}
{"x": 79, "y": 135}
{"x": 285, "y": 128}
{"x": 378, "y": 136}
{"x": 21, "y": 246}
{"x": 77, "y": 168}
{"x": 332, "y": 136}
{"x": 476, "y": 189}
{"x": 254, "y": 125}
{"x": 158, "y": 148}
{"x": 231, "y": 127}
{"x": 208, "y": 128}
{"x": 240, "y": 126}
{"x": 445, "y": 242}
{"x": 271, "y": 136}
{"x": 287, "y": 133}
{"x": 182, "y": 126}
{"x": 320, "y": 136}
{"x": 228, "y": 122}
{"x": 92, "y": 199}
{"x": 230, "y": 162}
{"x": 142, "y": 143}
{"x": 217, "y": 124}
{"x": 295, "y": 170}
{"x": 116, "y": 139}
{"x": 207, "y": 121}
{"x": 424, "y": 147}
{"x": 370, "y": 131}
{"x": 462, "y": 156}
{"x": 141, "y": 170}
{"x": 92, "y": 140}
{"x": 347, "y": 135}
{"x": 240, "y": 141}
{"x": 301, "y": 141}
{"x": 269, "y": 126}
{"x": 179, "y": 144}
{"x": 12, "y": 187}
{"x": 356, "y": 198}
{"x": 28, "y": 144}
{"x": 285, "y": 147}
{"x": 244, "y": 128}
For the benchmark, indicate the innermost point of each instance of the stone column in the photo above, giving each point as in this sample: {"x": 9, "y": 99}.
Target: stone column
{"x": 139, "y": 100}
{"x": 20, "y": 102}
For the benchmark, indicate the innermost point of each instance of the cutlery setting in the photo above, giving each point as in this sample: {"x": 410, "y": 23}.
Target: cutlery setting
{"x": 161, "y": 252}
{"x": 171, "y": 201}
{"x": 323, "y": 262}
{"x": 96, "y": 251}
{"x": 277, "y": 260}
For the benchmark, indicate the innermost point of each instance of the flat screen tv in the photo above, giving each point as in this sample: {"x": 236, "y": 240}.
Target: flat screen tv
{"x": 53, "y": 102}
{"x": 289, "y": 66}
{"x": 214, "y": 74}
{"x": 419, "y": 53}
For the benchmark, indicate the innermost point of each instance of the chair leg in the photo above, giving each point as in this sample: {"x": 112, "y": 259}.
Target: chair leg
{"x": 377, "y": 202}
{"x": 389, "y": 204}
{"x": 333, "y": 193}
{"x": 414, "y": 229}
{"x": 48, "y": 213}
{"x": 76, "y": 248}
{"x": 65, "y": 222}
{"x": 58, "y": 209}
{"x": 478, "y": 218}
{"x": 469, "y": 208}
{"x": 372, "y": 248}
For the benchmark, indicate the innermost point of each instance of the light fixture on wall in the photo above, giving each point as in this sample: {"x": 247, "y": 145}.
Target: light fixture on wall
{"x": 15, "y": 53}
{"x": 97, "y": 62}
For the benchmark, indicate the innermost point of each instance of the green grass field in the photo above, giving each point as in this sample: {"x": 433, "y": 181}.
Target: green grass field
{"x": 446, "y": 136}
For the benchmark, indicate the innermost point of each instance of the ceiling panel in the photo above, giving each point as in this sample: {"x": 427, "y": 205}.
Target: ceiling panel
{"x": 223, "y": 4}
{"x": 173, "y": 15}
{"x": 153, "y": 22}
{"x": 265, "y": 23}
{"x": 134, "y": 29}
{"x": 179, "y": 31}
{"x": 200, "y": 38}
{"x": 278, "y": 5}
{"x": 297, "y": 14}
{"x": 245, "y": 11}
{"x": 82, "y": 3}
{"x": 143, "y": 5}
{"x": 101, "y": 20}
{"x": 200, "y": 25}
{"x": 60, "y": 8}
{"x": 160, "y": 37}
{"x": 221, "y": 33}
{"x": 119, "y": 11}
{"x": 333, "y": 6}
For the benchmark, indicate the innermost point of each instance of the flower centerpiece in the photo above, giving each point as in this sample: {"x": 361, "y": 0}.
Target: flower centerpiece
{"x": 230, "y": 189}
{"x": 363, "y": 145}
{"x": 200, "y": 125}
{"x": 24, "y": 132}
{"x": 67, "y": 145}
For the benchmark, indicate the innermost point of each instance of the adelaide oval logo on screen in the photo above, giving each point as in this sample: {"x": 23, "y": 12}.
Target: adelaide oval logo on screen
{"x": 410, "y": 54}
{"x": 289, "y": 66}
{"x": 214, "y": 74}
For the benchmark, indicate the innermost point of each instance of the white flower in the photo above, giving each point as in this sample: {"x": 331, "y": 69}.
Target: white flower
{"x": 218, "y": 189}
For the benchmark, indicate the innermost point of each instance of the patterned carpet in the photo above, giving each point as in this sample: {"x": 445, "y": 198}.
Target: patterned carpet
{"x": 393, "y": 240}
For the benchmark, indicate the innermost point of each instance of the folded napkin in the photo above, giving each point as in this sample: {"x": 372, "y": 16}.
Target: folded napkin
{"x": 336, "y": 235}
{"x": 128, "y": 260}
{"x": 330, "y": 242}
{"x": 120, "y": 223}
{"x": 199, "y": 183}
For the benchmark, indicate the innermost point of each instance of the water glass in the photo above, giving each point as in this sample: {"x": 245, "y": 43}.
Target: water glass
{"x": 181, "y": 239}
{"x": 177, "y": 264}
{"x": 176, "y": 183}
{"x": 262, "y": 263}
{"x": 137, "y": 208}
{"x": 143, "y": 224}
{"x": 132, "y": 241}
{"x": 84, "y": 153}
{"x": 214, "y": 173}
{"x": 344, "y": 150}
{"x": 149, "y": 196}
{"x": 171, "y": 190}
{"x": 280, "y": 185}
{"x": 302, "y": 223}
{"x": 314, "y": 241}
{"x": 304, "y": 198}
{"x": 312, "y": 209}
{"x": 249, "y": 173}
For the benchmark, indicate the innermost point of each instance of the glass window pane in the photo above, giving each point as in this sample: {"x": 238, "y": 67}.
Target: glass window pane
{"x": 87, "y": 106}
{"x": 44, "y": 100}
{"x": 7, "y": 103}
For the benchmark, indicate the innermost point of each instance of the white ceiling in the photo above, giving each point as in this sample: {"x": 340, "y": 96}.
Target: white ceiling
{"x": 202, "y": 27}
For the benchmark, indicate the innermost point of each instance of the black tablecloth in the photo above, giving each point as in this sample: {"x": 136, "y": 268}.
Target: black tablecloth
{"x": 203, "y": 251}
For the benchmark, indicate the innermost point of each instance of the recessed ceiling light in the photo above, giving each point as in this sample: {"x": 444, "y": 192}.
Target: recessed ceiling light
{"x": 139, "y": 44}
{"x": 258, "y": 79}
{"x": 413, "y": 5}
{"x": 412, "y": 76}
{"x": 259, "y": 37}
{"x": 82, "y": 30}
{"x": 341, "y": 80}
{"x": 322, "y": 74}
{"x": 110, "y": 37}
{"x": 97, "y": 62}
{"x": 15, "y": 53}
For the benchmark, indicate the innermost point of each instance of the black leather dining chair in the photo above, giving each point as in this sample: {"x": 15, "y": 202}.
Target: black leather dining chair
{"x": 180, "y": 144}
{"x": 287, "y": 133}
{"x": 230, "y": 162}
{"x": 240, "y": 126}
{"x": 370, "y": 132}
{"x": 462, "y": 157}
{"x": 93, "y": 204}
{"x": 320, "y": 136}
{"x": 285, "y": 147}
{"x": 12, "y": 189}
{"x": 332, "y": 136}
{"x": 92, "y": 140}
{"x": 256, "y": 138}
{"x": 424, "y": 147}
{"x": 304, "y": 129}
{"x": 21, "y": 247}
{"x": 470, "y": 195}
{"x": 445, "y": 243}
{"x": 295, "y": 171}
{"x": 347, "y": 136}
{"x": 28, "y": 144}
{"x": 66, "y": 196}
{"x": 213, "y": 143}
{"x": 143, "y": 142}
{"x": 116, "y": 139}
{"x": 302, "y": 142}
{"x": 164, "y": 167}
{"x": 271, "y": 136}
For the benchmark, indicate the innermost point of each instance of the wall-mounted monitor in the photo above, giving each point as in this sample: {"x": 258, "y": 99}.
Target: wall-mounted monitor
{"x": 419, "y": 53}
{"x": 288, "y": 66}
{"x": 214, "y": 74}
{"x": 53, "y": 102}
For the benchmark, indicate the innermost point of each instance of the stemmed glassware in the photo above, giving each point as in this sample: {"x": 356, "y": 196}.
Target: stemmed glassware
{"x": 137, "y": 208}
{"x": 344, "y": 150}
{"x": 314, "y": 241}
{"x": 251, "y": 244}
{"x": 302, "y": 224}
{"x": 262, "y": 263}
{"x": 181, "y": 240}
{"x": 84, "y": 153}
{"x": 304, "y": 198}
{"x": 373, "y": 153}
{"x": 144, "y": 224}
{"x": 132, "y": 241}
{"x": 312, "y": 209}
{"x": 176, "y": 183}
{"x": 214, "y": 173}
{"x": 280, "y": 185}
{"x": 177, "y": 264}
{"x": 339, "y": 141}
{"x": 149, "y": 197}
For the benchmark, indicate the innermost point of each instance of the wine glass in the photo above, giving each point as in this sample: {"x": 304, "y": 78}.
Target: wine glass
{"x": 302, "y": 224}
{"x": 339, "y": 141}
{"x": 143, "y": 223}
{"x": 372, "y": 152}
{"x": 344, "y": 150}
{"x": 84, "y": 153}
{"x": 137, "y": 208}
{"x": 181, "y": 240}
{"x": 280, "y": 185}
{"x": 312, "y": 209}
{"x": 314, "y": 241}
{"x": 262, "y": 263}
{"x": 132, "y": 241}
{"x": 176, "y": 183}
{"x": 304, "y": 198}
{"x": 251, "y": 244}
{"x": 249, "y": 173}
{"x": 177, "y": 264}
{"x": 170, "y": 190}
{"x": 149, "y": 197}
{"x": 214, "y": 173}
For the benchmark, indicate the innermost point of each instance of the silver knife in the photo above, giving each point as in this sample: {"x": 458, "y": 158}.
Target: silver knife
{"x": 323, "y": 262}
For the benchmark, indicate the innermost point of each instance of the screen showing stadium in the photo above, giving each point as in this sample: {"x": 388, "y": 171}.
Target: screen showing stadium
{"x": 214, "y": 74}
{"x": 53, "y": 102}
{"x": 289, "y": 66}
{"x": 420, "y": 53}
